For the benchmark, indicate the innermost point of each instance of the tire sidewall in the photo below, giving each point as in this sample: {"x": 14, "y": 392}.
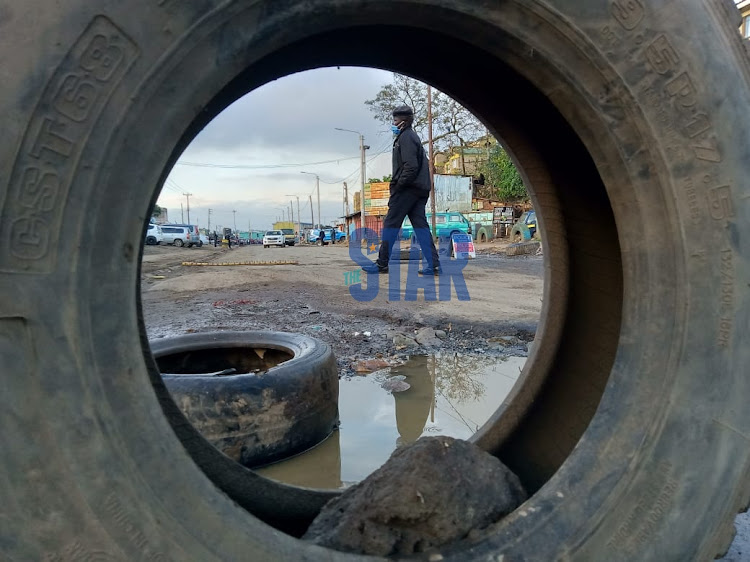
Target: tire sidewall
{"x": 636, "y": 458}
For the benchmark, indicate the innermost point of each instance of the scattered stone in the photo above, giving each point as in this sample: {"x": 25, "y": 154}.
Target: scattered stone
{"x": 441, "y": 334}
{"x": 429, "y": 493}
{"x": 427, "y": 338}
{"x": 369, "y": 365}
{"x": 404, "y": 340}
{"x": 392, "y": 385}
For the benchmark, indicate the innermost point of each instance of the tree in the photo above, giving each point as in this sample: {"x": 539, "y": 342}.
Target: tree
{"x": 452, "y": 124}
{"x": 453, "y": 128}
{"x": 501, "y": 177}
{"x": 156, "y": 212}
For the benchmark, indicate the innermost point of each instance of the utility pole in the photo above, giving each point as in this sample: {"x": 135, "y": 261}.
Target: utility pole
{"x": 209, "y": 219}
{"x": 187, "y": 196}
{"x": 234, "y": 217}
{"x": 431, "y": 159}
{"x": 182, "y": 213}
{"x": 362, "y": 156}
{"x": 346, "y": 203}
{"x": 317, "y": 187}
{"x": 299, "y": 217}
{"x": 362, "y": 148}
{"x": 312, "y": 215}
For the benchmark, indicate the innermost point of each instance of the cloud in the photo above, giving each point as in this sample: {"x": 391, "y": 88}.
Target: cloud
{"x": 251, "y": 155}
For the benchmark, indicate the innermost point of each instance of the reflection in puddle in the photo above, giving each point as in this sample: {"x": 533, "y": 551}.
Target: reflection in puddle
{"x": 450, "y": 396}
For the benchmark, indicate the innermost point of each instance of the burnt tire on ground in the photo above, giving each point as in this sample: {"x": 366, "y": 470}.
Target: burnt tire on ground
{"x": 257, "y": 397}
{"x": 629, "y": 425}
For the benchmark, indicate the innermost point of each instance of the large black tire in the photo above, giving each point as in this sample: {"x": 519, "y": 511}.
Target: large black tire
{"x": 629, "y": 425}
{"x": 253, "y": 419}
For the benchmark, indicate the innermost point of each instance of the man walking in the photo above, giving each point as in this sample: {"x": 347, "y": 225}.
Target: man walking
{"x": 409, "y": 191}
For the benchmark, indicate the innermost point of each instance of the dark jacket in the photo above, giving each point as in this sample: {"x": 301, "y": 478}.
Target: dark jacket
{"x": 410, "y": 166}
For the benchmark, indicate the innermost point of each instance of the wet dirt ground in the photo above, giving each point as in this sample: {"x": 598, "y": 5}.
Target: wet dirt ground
{"x": 313, "y": 298}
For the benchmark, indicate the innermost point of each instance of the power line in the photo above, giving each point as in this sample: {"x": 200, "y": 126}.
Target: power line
{"x": 260, "y": 166}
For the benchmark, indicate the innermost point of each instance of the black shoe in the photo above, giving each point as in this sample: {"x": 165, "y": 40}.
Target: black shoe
{"x": 429, "y": 271}
{"x": 374, "y": 268}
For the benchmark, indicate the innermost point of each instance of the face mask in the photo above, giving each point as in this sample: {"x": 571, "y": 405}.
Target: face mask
{"x": 395, "y": 129}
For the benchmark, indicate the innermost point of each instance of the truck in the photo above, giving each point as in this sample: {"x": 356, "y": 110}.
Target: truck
{"x": 289, "y": 230}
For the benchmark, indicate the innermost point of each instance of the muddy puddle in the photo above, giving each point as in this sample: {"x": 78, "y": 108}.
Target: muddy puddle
{"x": 446, "y": 395}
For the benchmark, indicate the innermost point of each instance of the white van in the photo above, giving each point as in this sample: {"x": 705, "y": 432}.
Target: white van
{"x": 178, "y": 235}
{"x": 195, "y": 236}
{"x": 154, "y": 234}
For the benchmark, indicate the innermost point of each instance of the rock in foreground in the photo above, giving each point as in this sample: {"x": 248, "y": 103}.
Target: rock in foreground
{"x": 427, "y": 494}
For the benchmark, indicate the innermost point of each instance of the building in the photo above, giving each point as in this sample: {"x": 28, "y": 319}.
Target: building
{"x": 466, "y": 161}
{"x": 744, "y": 7}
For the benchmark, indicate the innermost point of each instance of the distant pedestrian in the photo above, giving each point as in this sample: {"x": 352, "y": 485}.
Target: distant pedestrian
{"x": 216, "y": 239}
{"x": 322, "y": 237}
{"x": 333, "y": 236}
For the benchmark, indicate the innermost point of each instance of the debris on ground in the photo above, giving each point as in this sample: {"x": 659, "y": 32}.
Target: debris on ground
{"x": 429, "y": 493}
{"x": 227, "y": 263}
{"x": 369, "y": 365}
{"x": 402, "y": 341}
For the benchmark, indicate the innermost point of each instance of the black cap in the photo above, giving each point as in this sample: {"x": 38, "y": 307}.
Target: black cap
{"x": 403, "y": 110}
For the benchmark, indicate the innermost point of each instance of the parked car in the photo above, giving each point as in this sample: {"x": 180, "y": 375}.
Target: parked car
{"x": 195, "y": 236}
{"x": 525, "y": 228}
{"x": 446, "y": 225}
{"x": 179, "y": 235}
{"x": 204, "y": 239}
{"x": 154, "y": 234}
{"x": 274, "y": 238}
{"x": 314, "y": 235}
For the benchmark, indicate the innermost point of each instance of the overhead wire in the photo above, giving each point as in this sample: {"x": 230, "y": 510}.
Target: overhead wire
{"x": 259, "y": 166}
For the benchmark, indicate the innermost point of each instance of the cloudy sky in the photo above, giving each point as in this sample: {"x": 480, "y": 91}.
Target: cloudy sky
{"x": 249, "y": 158}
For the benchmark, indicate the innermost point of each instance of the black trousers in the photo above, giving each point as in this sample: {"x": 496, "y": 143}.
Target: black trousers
{"x": 411, "y": 203}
